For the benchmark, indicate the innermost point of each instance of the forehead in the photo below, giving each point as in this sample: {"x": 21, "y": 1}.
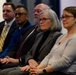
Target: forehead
{"x": 39, "y": 7}
{"x": 20, "y": 10}
{"x": 66, "y": 13}
{"x": 7, "y": 7}
{"x": 44, "y": 15}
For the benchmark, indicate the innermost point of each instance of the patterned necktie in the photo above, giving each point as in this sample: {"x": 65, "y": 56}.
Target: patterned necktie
{"x": 21, "y": 46}
{"x": 3, "y": 36}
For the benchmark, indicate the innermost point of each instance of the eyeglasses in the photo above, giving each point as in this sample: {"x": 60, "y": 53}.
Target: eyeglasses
{"x": 7, "y": 11}
{"x": 66, "y": 17}
{"x": 20, "y": 14}
{"x": 44, "y": 19}
{"x": 37, "y": 10}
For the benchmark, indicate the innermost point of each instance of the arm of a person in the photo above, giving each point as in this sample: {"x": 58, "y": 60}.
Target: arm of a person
{"x": 28, "y": 56}
{"x": 13, "y": 51}
{"x": 8, "y": 60}
{"x": 12, "y": 60}
{"x": 6, "y": 51}
{"x": 46, "y": 60}
{"x": 30, "y": 59}
{"x": 41, "y": 66}
{"x": 32, "y": 63}
{"x": 67, "y": 58}
{"x": 41, "y": 69}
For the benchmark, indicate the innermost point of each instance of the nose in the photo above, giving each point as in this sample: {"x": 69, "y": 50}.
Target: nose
{"x": 41, "y": 22}
{"x": 36, "y": 13}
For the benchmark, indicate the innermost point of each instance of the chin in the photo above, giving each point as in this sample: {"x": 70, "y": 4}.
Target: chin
{"x": 41, "y": 28}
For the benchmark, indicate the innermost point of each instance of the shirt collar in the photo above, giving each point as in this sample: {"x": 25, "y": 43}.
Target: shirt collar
{"x": 10, "y": 23}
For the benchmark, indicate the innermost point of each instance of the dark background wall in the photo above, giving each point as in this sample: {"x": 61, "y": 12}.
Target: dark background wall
{"x": 30, "y": 4}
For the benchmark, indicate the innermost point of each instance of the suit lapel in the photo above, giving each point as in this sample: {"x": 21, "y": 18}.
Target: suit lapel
{"x": 38, "y": 39}
{"x": 12, "y": 28}
{"x": 47, "y": 40}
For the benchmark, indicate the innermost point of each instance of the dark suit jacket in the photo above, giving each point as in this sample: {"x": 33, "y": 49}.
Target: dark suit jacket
{"x": 27, "y": 45}
{"x": 9, "y": 35}
{"x": 46, "y": 47}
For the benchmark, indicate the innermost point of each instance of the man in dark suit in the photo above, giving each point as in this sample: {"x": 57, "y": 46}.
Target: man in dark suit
{"x": 9, "y": 18}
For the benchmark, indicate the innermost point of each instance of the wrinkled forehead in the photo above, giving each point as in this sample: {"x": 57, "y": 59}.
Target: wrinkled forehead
{"x": 41, "y": 7}
{"x": 38, "y": 9}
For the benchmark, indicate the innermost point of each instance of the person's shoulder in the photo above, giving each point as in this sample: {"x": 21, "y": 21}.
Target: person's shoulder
{"x": 31, "y": 27}
{"x": 57, "y": 33}
{"x": 2, "y": 22}
{"x": 73, "y": 36}
{"x": 14, "y": 22}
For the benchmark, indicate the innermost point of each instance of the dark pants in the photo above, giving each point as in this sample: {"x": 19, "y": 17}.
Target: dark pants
{"x": 48, "y": 73}
{"x": 9, "y": 65}
{"x": 53, "y": 73}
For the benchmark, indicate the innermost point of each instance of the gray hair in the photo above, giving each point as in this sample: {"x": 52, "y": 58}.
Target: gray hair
{"x": 56, "y": 26}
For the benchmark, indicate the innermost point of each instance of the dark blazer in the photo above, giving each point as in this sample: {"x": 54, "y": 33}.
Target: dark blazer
{"x": 45, "y": 48}
{"x": 27, "y": 45}
{"x": 9, "y": 35}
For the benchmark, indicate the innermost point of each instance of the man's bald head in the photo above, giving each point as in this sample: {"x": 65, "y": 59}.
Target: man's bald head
{"x": 38, "y": 8}
{"x": 42, "y": 6}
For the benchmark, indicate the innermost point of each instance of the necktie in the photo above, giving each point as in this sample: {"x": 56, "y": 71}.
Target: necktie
{"x": 3, "y": 36}
{"x": 21, "y": 46}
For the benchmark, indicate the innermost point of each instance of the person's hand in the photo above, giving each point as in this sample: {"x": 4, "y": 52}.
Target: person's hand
{"x": 8, "y": 60}
{"x": 31, "y": 68}
{"x": 35, "y": 71}
{"x": 12, "y": 60}
{"x": 4, "y": 60}
{"x": 25, "y": 68}
{"x": 0, "y": 59}
{"x": 32, "y": 63}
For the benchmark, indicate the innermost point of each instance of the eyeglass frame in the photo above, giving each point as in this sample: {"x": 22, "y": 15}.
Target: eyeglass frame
{"x": 44, "y": 19}
{"x": 37, "y": 10}
{"x": 66, "y": 17}
{"x": 20, "y": 14}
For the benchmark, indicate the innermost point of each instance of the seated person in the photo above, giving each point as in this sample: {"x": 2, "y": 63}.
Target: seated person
{"x": 9, "y": 23}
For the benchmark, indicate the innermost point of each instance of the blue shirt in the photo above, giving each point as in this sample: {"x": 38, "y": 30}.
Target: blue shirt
{"x": 15, "y": 38}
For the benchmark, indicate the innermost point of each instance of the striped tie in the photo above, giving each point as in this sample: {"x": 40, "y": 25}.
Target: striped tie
{"x": 3, "y": 36}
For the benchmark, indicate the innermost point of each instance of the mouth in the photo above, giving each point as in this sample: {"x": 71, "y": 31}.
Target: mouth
{"x": 35, "y": 17}
{"x": 42, "y": 25}
{"x": 64, "y": 23}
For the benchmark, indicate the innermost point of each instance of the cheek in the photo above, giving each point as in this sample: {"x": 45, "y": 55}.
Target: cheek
{"x": 11, "y": 14}
{"x": 69, "y": 24}
{"x": 45, "y": 27}
{"x": 49, "y": 25}
{"x": 72, "y": 22}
